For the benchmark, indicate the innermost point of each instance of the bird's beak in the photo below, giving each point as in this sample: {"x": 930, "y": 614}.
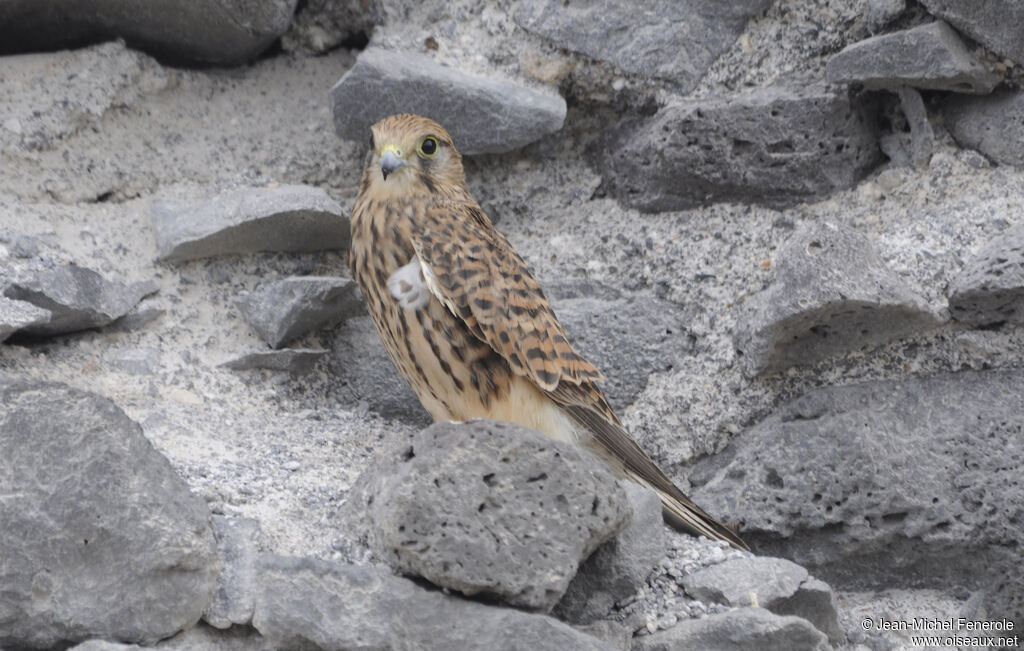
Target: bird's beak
{"x": 391, "y": 160}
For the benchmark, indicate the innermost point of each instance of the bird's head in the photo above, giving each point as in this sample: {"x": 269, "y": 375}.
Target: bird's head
{"x": 409, "y": 155}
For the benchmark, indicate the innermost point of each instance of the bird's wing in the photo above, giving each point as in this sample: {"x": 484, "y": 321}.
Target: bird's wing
{"x": 472, "y": 269}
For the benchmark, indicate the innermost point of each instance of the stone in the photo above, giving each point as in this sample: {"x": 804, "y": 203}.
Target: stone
{"x": 666, "y": 39}
{"x": 297, "y": 361}
{"x": 605, "y": 330}
{"x": 831, "y": 295}
{"x": 16, "y": 315}
{"x": 992, "y": 125}
{"x": 877, "y": 14}
{"x": 91, "y": 82}
{"x": 620, "y": 566}
{"x": 103, "y": 645}
{"x": 922, "y": 137}
{"x": 137, "y": 361}
{"x": 320, "y": 26}
{"x": 490, "y": 508}
{"x": 238, "y": 543}
{"x": 369, "y": 608}
{"x": 779, "y": 145}
{"x": 990, "y": 289}
{"x": 365, "y": 373}
{"x": 912, "y": 482}
{"x": 294, "y": 218}
{"x": 78, "y": 298}
{"x": 930, "y": 56}
{"x": 101, "y": 537}
{"x": 221, "y": 32}
{"x": 482, "y": 114}
{"x": 776, "y": 584}
{"x": 743, "y": 629}
{"x": 281, "y": 311}
{"x": 996, "y": 24}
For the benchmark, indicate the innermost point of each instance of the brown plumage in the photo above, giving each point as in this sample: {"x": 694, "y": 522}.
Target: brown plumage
{"x": 466, "y": 323}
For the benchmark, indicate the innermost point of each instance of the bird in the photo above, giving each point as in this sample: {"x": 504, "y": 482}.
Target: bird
{"x": 465, "y": 321}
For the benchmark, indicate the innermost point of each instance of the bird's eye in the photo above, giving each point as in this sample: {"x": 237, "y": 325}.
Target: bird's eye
{"x": 428, "y": 147}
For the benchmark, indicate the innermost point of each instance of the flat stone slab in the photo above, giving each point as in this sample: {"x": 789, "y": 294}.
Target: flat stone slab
{"x": 778, "y": 145}
{"x": 78, "y": 298}
{"x": 996, "y": 24}
{"x": 292, "y": 360}
{"x": 743, "y": 629}
{"x": 672, "y": 40}
{"x": 929, "y": 56}
{"x": 482, "y": 114}
{"x": 281, "y": 311}
{"x": 992, "y": 125}
{"x": 490, "y": 508}
{"x": 295, "y": 218}
{"x": 831, "y": 295}
{"x": 16, "y": 315}
{"x": 990, "y": 289}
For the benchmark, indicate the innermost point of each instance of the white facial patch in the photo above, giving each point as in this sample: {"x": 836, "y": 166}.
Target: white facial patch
{"x": 408, "y": 287}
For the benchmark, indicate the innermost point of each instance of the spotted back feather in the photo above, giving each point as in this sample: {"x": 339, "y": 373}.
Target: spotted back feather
{"x": 474, "y": 270}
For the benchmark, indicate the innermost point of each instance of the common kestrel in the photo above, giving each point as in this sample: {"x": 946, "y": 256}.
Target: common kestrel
{"x": 466, "y": 323}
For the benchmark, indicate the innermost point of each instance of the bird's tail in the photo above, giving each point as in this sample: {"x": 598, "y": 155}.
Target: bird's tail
{"x": 680, "y": 512}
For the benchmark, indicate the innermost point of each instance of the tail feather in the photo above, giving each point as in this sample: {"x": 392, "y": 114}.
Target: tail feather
{"x": 682, "y": 513}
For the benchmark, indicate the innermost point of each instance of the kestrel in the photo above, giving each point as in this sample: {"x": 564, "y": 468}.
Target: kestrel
{"x": 466, "y": 323}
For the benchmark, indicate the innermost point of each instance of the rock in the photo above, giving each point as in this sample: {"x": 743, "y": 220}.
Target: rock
{"x": 238, "y": 548}
{"x": 628, "y": 350}
{"x": 137, "y": 361}
{"x": 25, "y": 246}
{"x": 990, "y": 289}
{"x": 621, "y": 565}
{"x": 779, "y": 145}
{"x": 16, "y": 315}
{"x": 222, "y": 32}
{"x": 743, "y": 629}
{"x": 102, "y": 645}
{"x": 928, "y": 56}
{"x": 613, "y": 633}
{"x": 910, "y": 482}
{"x": 482, "y": 114}
{"x": 490, "y": 508}
{"x": 372, "y": 609}
{"x": 281, "y": 311}
{"x": 297, "y": 361}
{"x": 879, "y": 13}
{"x": 361, "y": 364}
{"x": 831, "y": 295}
{"x": 101, "y": 537}
{"x": 922, "y": 137}
{"x": 781, "y": 586}
{"x": 993, "y": 125}
{"x": 677, "y": 41}
{"x": 996, "y": 24}
{"x": 78, "y": 298}
{"x": 91, "y": 82}
{"x": 295, "y": 218}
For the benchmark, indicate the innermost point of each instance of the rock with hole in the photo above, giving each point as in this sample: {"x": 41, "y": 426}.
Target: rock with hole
{"x": 742, "y": 629}
{"x": 990, "y": 289}
{"x": 490, "y": 508}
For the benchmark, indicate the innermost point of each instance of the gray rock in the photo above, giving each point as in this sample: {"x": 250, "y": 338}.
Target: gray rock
{"x": 779, "y": 145}
{"x": 993, "y": 125}
{"x": 615, "y": 634}
{"x": 238, "y": 543}
{"x": 909, "y": 482}
{"x": 81, "y": 87}
{"x": 628, "y": 350}
{"x": 776, "y": 584}
{"x": 297, "y": 361}
{"x": 619, "y": 566}
{"x": 283, "y": 310}
{"x": 743, "y": 629}
{"x": 490, "y": 508}
{"x": 929, "y": 56}
{"x": 78, "y": 298}
{"x": 321, "y": 25}
{"x": 296, "y": 218}
{"x": 365, "y": 372}
{"x": 24, "y": 246}
{"x": 223, "y": 32}
{"x": 677, "y": 41}
{"x": 879, "y": 13}
{"x": 482, "y": 114}
{"x": 103, "y": 645}
{"x": 831, "y": 295}
{"x": 15, "y": 315}
{"x": 990, "y": 289}
{"x": 369, "y": 608}
{"x": 996, "y": 24}
{"x": 101, "y": 537}
{"x": 922, "y": 137}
